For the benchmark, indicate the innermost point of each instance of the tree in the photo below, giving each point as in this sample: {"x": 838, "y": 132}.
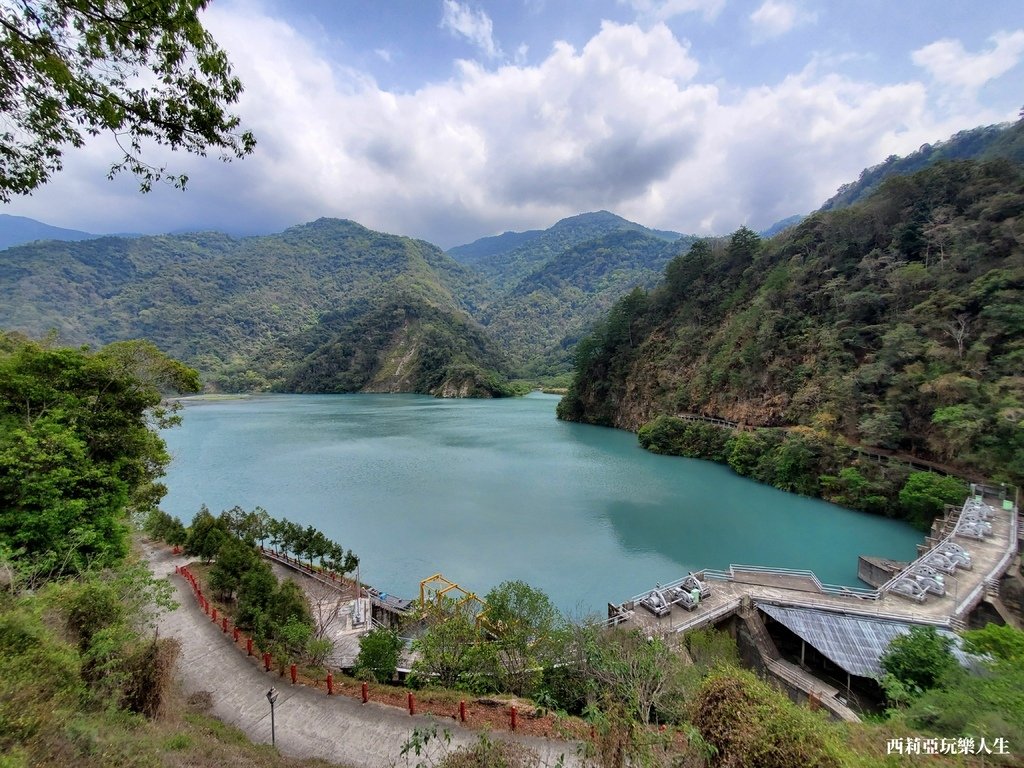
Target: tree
{"x": 523, "y": 622}
{"x": 919, "y": 659}
{"x": 925, "y": 494}
{"x": 78, "y": 453}
{"x": 378, "y": 656}
{"x": 235, "y": 558}
{"x": 450, "y": 651}
{"x": 206, "y": 535}
{"x": 146, "y": 72}
{"x": 644, "y": 673}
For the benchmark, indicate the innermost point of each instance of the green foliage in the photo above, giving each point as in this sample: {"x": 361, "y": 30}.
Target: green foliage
{"x": 378, "y": 655}
{"x": 450, "y": 652}
{"x": 979, "y": 703}
{"x": 919, "y": 659}
{"x": 206, "y": 535}
{"x": 524, "y": 624}
{"x": 77, "y": 452}
{"x": 925, "y": 495}
{"x": 72, "y": 70}
{"x": 644, "y": 674}
{"x": 326, "y": 306}
{"x": 749, "y": 723}
{"x": 235, "y": 558}
{"x": 677, "y": 437}
{"x": 896, "y": 321}
{"x": 1000, "y": 641}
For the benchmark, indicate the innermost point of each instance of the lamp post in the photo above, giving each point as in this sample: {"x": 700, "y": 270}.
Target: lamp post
{"x": 272, "y": 698}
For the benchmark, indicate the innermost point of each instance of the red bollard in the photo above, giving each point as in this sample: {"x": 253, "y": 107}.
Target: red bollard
{"x": 206, "y": 606}
{"x": 366, "y": 693}
{"x": 462, "y": 711}
{"x": 593, "y": 733}
{"x": 330, "y": 684}
{"x": 248, "y": 646}
{"x": 266, "y": 662}
{"x": 234, "y": 634}
{"x": 213, "y": 616}
{"x": 294, "y": 672}
{"x": 412, "y": 705}
{"x": 512, "y": 714}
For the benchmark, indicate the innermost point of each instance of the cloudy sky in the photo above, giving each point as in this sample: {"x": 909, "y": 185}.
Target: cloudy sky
{"x": 451, "y": 120}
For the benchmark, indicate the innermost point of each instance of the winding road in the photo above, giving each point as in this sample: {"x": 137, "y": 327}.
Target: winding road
{"x": 308, "y": 723}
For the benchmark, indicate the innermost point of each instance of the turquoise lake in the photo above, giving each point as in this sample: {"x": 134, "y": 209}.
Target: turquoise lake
{"x": 485, "y": 491}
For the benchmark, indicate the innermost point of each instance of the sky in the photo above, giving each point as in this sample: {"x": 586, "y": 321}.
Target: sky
{"x": 449, "y": 120}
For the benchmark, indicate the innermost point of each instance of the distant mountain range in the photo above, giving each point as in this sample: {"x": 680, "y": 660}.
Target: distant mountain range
{"x": 16, "y": 230}
{"x": 333, "y": 306}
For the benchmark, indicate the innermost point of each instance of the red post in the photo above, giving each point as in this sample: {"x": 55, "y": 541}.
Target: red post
{"x": 213, "y": 616}
{"x": 412, "y": 705}
{"x": 330, "y": 684}
{"x": 176, "y": 550}
{"x": 224, "y": 625}
{"x": 366, "y": 693}
{"x": 266, "y": 661}
{"x": 593, "y": 733}
{"x": 248, "y": 646}
{"x": 462, "y": 711}
{"x": 206, "y": 606}
{"x": 294, "y": 672}
{"x": 512, "y": 714}
{"x": 234, "y": 634}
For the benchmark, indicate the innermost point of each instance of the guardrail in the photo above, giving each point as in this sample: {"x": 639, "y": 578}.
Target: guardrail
{"x": 974, "y": 596}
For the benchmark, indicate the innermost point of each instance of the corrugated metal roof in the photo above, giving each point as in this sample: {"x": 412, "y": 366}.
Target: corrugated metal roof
{"x": 854, "y": 643}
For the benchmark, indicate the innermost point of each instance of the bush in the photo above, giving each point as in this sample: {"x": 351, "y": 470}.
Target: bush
{"x": 378, "y": 655}
{"x": 678, "y": 437}
{"x": 749, "y": 723}
{"x": 925, "y": 494}
{"x": 919, "y": 659}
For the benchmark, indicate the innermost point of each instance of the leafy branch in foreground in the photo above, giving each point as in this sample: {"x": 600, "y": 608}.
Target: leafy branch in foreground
{"x": 146, "y": 71}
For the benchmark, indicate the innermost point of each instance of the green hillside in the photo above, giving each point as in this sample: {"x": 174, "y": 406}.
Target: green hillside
{"x": 511, "y": 259}
{"x": 897, "y": 322}
{"x": 540, "y": 320}
{"x": 982, "y": 143}
{"x": 242, "y": 311}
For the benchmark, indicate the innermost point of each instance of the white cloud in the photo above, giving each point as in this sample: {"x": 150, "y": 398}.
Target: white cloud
{"x": 950, "y": 64}
{"x": 621, "y": 123}
{"x": 383, "y": 54}
{"x": 774, "y": 18}
{"x": 475, "y": 26}
{"x": 662, "y": 10}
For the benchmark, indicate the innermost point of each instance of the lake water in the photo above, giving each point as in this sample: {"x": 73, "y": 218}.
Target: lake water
{"x": 485, "y": 491}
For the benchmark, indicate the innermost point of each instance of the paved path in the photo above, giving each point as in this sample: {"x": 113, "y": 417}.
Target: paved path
{"x": 308, "y": 723}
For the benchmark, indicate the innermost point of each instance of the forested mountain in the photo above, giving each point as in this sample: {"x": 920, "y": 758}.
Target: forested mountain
{"x": 508, "y": 258}
{"x": 485, "y": 248}
{"x": 540, "y": 320}
{"x": 249, "y": 312}
{"x": 16, "y": 230}
{"x": 897, "y": 322}
{"x": 982, "y": 143}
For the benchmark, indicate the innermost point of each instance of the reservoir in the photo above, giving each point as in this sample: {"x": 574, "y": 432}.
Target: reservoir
{"x": 486, "y": 491}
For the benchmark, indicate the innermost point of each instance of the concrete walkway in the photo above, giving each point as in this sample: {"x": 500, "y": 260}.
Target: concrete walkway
{"x": 308, "y": 722}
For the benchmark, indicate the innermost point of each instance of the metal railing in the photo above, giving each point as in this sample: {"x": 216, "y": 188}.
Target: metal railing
{"x": 862, "y": 593}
